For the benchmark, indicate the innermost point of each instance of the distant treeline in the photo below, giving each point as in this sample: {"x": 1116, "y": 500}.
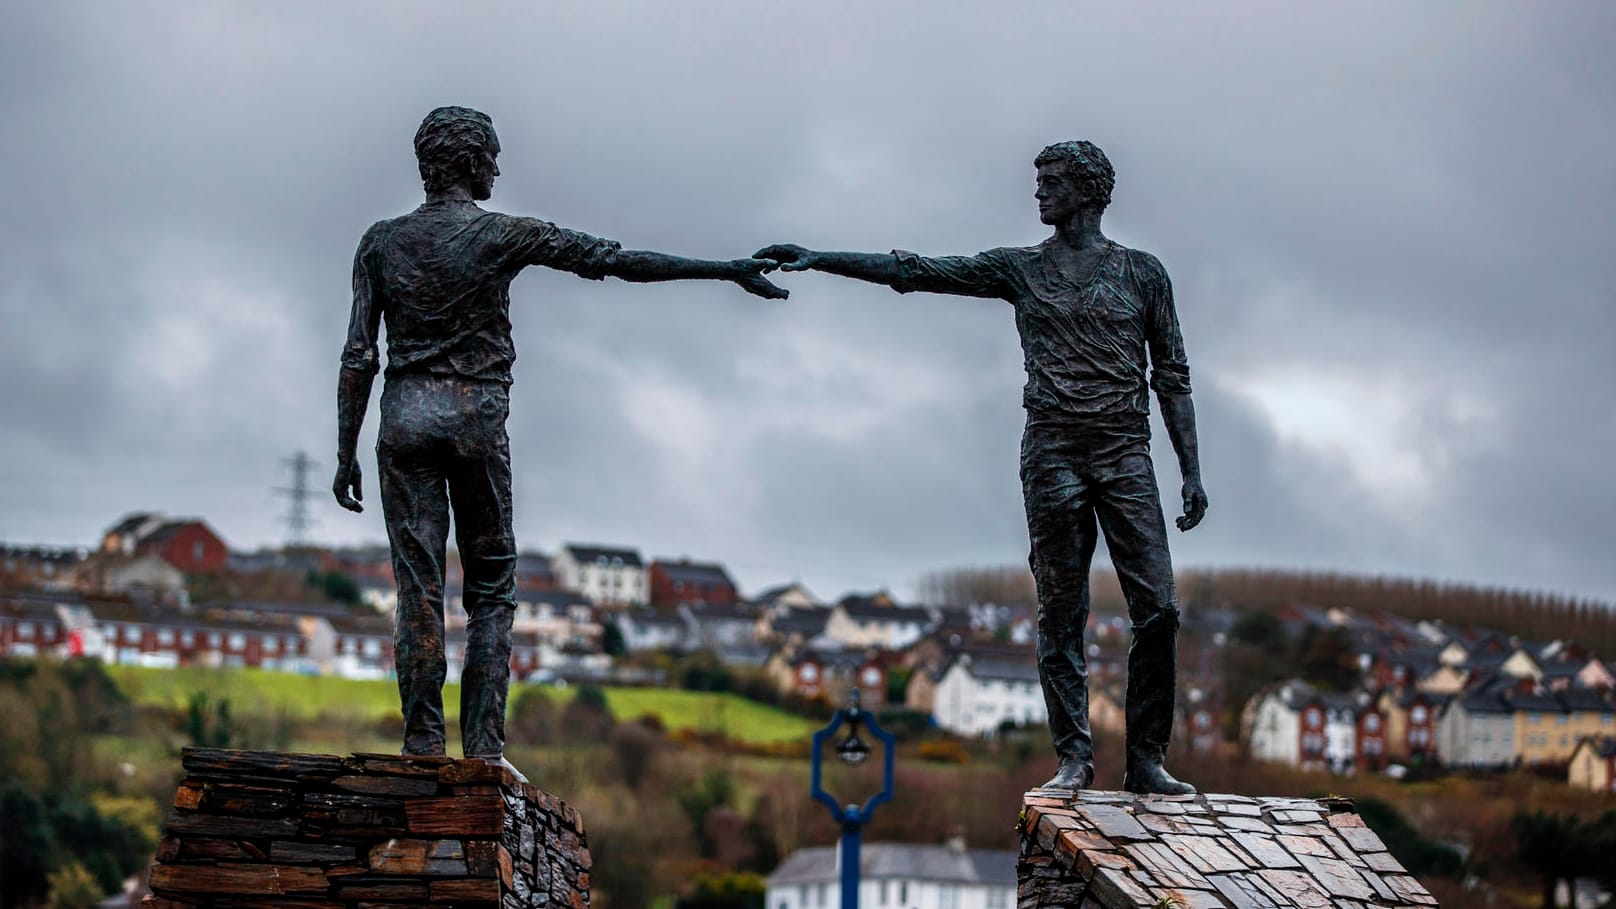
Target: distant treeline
{"x": 1534, "y": 615}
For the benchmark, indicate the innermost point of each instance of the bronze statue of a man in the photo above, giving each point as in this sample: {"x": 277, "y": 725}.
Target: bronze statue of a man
{"x": 1089, "y": 312}
{"x": 439, "y": 277}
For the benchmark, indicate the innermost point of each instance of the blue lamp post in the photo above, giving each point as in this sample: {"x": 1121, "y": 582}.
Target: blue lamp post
{"x": 852, "y": 817}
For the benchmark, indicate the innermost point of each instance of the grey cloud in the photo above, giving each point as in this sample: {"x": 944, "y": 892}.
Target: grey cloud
{"x": 1412, "y": 198}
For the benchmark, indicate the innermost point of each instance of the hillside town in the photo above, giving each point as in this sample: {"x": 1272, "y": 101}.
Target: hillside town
{"x": 1407, "y": 696}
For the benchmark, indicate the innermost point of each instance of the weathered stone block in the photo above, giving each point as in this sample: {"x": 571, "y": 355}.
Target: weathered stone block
{"x": 293, "y": 831}
{"x": 1110, "y": 850}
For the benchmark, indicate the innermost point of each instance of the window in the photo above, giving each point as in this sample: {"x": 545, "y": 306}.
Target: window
{"x": 187, "y": 638}
{"x": 1562, "y": 719}
{"x": 196, "y": 551}
{"x": 165, "y": 637}
{"x": 947, "y": 896}
{"x": 886, "y": 895}
{"x": 998, "y": 898}
{"x": 237, "y": 641}
{"x": 809, "y": 673}
{"x": 1417, "y": 715}
{"x": 903, "y": 893}
{"x": 25, "y": 631}
{"x": 802, "y": 895}
{"x": 1371, "y": 722}
{"x": 819, "y": 894}
{"x": 372, "y": 648}
{"x": 213, "y": 640}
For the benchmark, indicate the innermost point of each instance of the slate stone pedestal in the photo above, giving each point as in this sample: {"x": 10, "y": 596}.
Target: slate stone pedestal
{"x": 260, "y": 829}
{"x": 1115, "y": 850}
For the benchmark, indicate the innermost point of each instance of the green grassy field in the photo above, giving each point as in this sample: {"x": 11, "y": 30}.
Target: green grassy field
{"x": 321, "y": 697}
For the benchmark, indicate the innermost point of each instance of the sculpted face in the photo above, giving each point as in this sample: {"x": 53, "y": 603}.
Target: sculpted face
{"x": 1059, "y": 196}
{"x": 484, "y": 168}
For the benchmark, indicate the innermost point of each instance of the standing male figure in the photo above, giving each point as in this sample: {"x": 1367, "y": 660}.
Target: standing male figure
{"x": 440, "y": 278}
{"x": 1089, "y": 311}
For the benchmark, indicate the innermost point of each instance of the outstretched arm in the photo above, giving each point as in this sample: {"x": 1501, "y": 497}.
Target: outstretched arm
{"x": 981, "y": 275}
{"x": 640, "y": 265}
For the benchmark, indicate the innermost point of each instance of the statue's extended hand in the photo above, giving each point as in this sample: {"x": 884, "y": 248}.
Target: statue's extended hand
{"x": 790, "y": 256}
{"x": 1194, "y": 505}
{"x": 346, "y": 486}
{"x": 749, "y": 275}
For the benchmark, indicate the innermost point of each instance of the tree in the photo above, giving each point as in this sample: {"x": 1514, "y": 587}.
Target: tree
{"x": 713, "y": 790}
{"x": 1551, "y": 846}
{"x": 725, "y": 890}
{"x": 25, "y": 847}
{"x": 611, "y": 639}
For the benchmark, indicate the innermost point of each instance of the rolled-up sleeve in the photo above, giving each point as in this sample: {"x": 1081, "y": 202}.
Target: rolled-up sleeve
{"x": 536, "y": 242}
{"x": 981, "y": 275}
{"x": 1169, "y": 366}
{"x": 360, "y": 353}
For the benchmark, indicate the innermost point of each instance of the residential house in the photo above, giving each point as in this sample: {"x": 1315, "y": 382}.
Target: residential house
{"x": 927, "y": 658}
{"x": 1107, "y": 706}
{"x": 188, "y": 544}
{"x": 830, "y": 673}
{"x": 30, "y": 626}
{"x": 1549, "y": 724}
{"x": 607, "y": 575}
{"x": 362, "y": 646}
{"x": 1593, "y": 765}
{"x": 44, "y": 567}
{"x": 1197, "y": 723}
{"x": 898, "y": 876}
{"x": 1411, "y": 722}
{"x": 976, "y": 696}
{"x": 793, "y": 625}
{"x": 719, "y": 626}
{"x": 1477, "y": 727}
{"x": 535, "y": 571}
{"x": 785, "y": 596}
{"x": 557, "y": 617}
{"x": 674, "y": 583}
{"x": 644, "y": 629}
{"x": 1294, "y": 723}
{"x": 106, "y": 573}
{"x": 876, "y": 621}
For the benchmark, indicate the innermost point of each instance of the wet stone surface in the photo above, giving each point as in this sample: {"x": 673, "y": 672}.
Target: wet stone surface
{"x": 1114, "y": 850}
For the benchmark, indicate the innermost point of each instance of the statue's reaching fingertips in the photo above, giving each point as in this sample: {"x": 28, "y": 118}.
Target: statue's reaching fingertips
{"x": 439, "y": 279}
{"x": 1099, "y": 332}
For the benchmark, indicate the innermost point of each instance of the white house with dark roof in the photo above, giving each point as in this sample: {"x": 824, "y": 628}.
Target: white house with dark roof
{"x": 1477, "y": 728}
{"x": 876, "y": 622}
{"x": 976, "y": 695}
{"x": 644, "y": 629}
{"x": 898, "y": 876}
{"x": 607, "y": 575}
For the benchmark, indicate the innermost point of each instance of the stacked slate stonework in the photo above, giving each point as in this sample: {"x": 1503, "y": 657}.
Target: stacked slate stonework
{"x": 1114, "y": 850}
{"x": 255, "y": 829}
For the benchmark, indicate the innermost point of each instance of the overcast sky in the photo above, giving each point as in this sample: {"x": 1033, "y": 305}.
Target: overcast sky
{"x": 1389, "y": 229}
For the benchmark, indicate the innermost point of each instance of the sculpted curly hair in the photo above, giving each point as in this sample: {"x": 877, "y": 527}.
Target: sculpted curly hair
{"x": 1086, "y": 164}
{"x": 447, "y": 145}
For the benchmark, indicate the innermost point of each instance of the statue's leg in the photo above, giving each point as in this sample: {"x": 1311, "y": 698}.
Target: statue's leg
{"x": 1060, "y": 526}
{"x": 1129, "y": 508}
{"x": 415, "y": 504}
{"x": 480, "y": 489}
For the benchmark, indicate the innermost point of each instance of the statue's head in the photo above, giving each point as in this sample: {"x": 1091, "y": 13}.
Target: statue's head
{"x": 1072, "y": 176}
{"x": 457, "y": 146}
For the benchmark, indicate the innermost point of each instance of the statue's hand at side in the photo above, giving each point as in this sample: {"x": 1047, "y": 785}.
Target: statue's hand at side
{"x": 790, "y": 256}
{"x": 1194, "y": 505}
{"x": 346, "y": 486}
{"x": 749, "y": 275}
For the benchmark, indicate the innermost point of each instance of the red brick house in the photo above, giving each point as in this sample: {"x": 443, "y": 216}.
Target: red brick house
{"x": 677, "y": 582}
{"x": 188, "y": 544}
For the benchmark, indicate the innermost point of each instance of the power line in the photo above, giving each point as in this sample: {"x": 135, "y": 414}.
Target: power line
{"x": 297, "y": 518}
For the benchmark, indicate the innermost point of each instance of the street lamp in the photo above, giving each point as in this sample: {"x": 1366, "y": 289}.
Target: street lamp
{"x": 852, "y": 817}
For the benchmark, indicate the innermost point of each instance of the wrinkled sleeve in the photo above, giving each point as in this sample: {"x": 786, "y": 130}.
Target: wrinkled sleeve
{"x": 982, "y": 275}
{"x": 364, "y": 323}
{"x": 1169, "y": 367}
{"x": 536, "y": 242}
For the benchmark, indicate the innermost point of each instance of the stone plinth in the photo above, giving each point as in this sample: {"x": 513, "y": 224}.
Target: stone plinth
{"x": 255, "y": 829}
{"x": 1115, "y": 850}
